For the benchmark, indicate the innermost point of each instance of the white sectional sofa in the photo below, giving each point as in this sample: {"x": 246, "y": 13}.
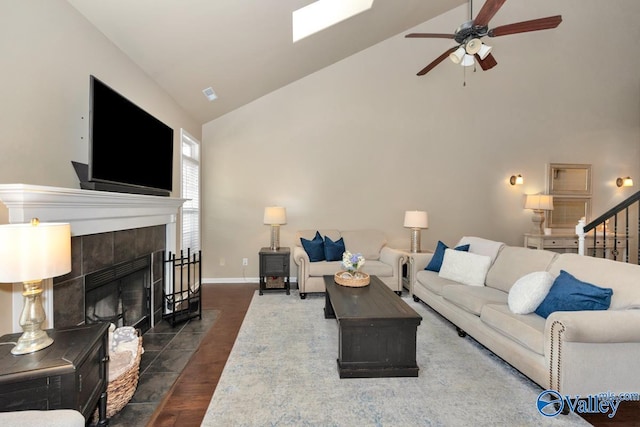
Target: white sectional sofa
{"x": 380, "y": 260}
{"x": 572, "y": 352}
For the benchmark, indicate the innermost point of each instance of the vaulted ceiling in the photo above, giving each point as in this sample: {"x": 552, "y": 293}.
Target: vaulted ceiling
{"x": 243, "y": 49}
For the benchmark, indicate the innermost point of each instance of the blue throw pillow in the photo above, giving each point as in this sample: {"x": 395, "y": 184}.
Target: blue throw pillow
{"x": 438, "y": 256}
{"x": 333, "y": 250}
{"x": 570, "y": 294}
{"x": 314, "y": 248}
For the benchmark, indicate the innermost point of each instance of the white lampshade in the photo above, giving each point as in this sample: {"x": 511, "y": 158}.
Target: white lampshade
{"x": 416, "y": 219}
{"x": 484, "y": 51}
{"x": 34, "y": 252}
{"x": 542, "y": 202}
{"x": 275, "y": 215}
{"x": 473, "y": 46}
{"x": 457, "y": 55}
{"x": 467, "y": 61}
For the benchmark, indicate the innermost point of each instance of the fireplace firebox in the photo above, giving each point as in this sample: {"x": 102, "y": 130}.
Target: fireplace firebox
{"x": 120, "y": 294}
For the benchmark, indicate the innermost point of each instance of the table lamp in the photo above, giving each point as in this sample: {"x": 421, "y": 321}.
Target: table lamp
{"x": 275, "y": 216}
{"x": 30, "y": 253}
{"x": 538, "y": 203}
{"x": 416, "y": 220}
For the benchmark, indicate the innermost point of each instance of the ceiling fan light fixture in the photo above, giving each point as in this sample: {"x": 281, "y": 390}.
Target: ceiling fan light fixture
{"x": 473, "y": 46}
{"x": 484, "y": 51}
{"x": 457, "y": 55}
{"x": 467, "y": 61}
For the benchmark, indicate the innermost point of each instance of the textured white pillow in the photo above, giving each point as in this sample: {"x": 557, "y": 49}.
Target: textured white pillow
{"x": 465, "y": 267}
{"x": 529, "y": 291}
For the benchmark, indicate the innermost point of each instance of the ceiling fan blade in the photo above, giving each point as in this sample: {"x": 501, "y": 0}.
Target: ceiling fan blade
{"x": 487, "y": 63}
{"x": 526, "y": 26}
{"x": 436, "y": 61}
{"x": 430, "y": 35}
{"x": 489, "y": 9}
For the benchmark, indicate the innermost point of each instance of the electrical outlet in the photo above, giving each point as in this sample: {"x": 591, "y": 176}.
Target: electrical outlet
{"x": 245, "y": 261}
{"x": 222, "y": 261}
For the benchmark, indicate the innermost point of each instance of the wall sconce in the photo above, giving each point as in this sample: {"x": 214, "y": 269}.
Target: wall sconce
{"x": 516, "y": 180}
{"x": 538, "y": 203}
{"x": 28, "y": 254}
{"x": 275, "y": 216}
{"x": 624, "y": 182}
{"x": 416, "y": 220}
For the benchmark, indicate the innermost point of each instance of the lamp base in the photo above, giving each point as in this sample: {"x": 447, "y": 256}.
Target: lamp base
{"x": 275, "y": 237}
{"x": 33, "y": 316}
{"x": 538, "y": 221}
{"x": 415, "y": 240}
{"x": 30, "y": 342}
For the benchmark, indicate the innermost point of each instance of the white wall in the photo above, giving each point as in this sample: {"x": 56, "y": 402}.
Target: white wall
{"x": 48, "y": 52}
{"x": 358, "y": 143}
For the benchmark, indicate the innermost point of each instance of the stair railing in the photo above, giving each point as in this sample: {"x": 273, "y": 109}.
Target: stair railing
{"x": 602, "y": 222}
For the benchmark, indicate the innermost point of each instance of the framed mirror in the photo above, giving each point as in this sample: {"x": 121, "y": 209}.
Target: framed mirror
{"x": 567, "y": 211}
{"x": 569, "y": 179}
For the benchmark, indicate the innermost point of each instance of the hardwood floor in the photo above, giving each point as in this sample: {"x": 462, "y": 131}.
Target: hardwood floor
{"x": 187, "y": 401}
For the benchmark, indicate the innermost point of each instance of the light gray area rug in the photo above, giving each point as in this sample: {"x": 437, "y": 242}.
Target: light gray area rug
{"x": 282, "y": 372}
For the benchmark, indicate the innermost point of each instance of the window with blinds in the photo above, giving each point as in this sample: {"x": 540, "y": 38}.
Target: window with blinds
{"x": 190, "y": 191}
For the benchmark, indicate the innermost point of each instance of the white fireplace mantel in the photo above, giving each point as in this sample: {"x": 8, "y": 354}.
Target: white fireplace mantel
{"x": 88, "y": 212}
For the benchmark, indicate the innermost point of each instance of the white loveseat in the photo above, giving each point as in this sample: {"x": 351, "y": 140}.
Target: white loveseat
{"x": 572, "y": 352}
{"x": 380, "y": 260}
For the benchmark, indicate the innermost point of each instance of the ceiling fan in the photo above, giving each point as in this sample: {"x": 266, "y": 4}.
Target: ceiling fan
{"x": 468, "y": 36}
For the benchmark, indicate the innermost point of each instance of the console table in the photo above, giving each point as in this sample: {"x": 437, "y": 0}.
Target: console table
{"x": 69, "y": 374}
{"x": 567, "y": 242}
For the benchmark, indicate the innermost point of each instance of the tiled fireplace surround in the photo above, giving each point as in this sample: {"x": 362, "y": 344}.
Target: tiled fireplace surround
{"x": 106, "y": 228}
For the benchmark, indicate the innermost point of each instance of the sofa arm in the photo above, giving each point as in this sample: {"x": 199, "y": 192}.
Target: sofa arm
{"x": 301, "y": 259}
{"x": 588, "y": 352}
{"x": 396, "y": 259}
{"x": 599, "y": 326}
{"x": 417, "y": 262}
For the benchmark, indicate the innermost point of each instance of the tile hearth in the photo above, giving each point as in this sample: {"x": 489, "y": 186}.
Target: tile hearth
{"x": 166, "y": 352}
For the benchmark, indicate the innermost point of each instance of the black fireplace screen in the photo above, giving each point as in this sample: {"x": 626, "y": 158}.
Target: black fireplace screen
{"x": 120, "y": 294}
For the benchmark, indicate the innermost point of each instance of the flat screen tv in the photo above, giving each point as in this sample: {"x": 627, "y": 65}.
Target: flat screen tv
{"x": 129, "y": 150}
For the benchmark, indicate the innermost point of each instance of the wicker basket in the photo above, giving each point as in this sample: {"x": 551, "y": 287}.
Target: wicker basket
{"x": 344, "y": 278}
{"x": 120, "y": 390}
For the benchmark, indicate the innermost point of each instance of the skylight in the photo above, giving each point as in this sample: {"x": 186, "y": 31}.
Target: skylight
{"x": 324, "y": 13}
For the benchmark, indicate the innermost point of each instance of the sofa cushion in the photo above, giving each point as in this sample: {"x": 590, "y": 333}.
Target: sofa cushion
{"x": 527, "y": 329}
{"x": 513, "y": 262}
{"x": 622, "y": 277}
{"x": 473, "y": 298}
{"x": 480, "y": 246}
{"x": 314, "y": 248}
{"x": 438, "y": 256}
{"x": 529, "y": 291}
{"x": 333, "y": 250}
{"x": 571, "y": 294}
{"x": 366, "y": 242}
{"x": 465, "y": 267}
{"x": 325, "y": 268}
{"x": 377, "y": 268}
{"x": 432, "y": 281}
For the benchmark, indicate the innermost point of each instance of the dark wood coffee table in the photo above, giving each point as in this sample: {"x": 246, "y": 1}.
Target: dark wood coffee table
{"x": 377, "y": 330}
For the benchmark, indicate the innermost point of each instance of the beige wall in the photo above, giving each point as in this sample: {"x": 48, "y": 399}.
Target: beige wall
{"x": 48, "y": 52}
{"x": 358, "y": 143}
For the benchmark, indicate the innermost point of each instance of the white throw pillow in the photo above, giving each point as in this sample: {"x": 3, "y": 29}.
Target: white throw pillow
{"x": 465, "y": 267}
{"x": 528, "y": 292}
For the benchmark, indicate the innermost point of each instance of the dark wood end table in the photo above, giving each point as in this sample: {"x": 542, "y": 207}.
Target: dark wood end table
{"x": 274, "y": 263}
